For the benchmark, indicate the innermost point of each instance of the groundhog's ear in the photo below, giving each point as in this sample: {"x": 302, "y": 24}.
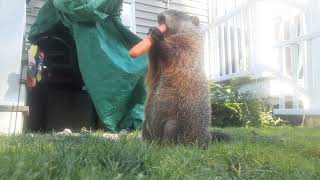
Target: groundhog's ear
{"x": 195, "y": 20}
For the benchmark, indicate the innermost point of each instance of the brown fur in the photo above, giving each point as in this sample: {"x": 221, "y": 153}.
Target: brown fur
{"x": 177, "y": 108}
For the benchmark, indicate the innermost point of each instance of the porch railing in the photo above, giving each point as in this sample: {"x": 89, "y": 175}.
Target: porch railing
{"x": 232, "y": 50}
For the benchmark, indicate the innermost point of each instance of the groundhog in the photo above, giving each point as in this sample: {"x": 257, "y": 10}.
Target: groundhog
{"x": 177, "y": 108}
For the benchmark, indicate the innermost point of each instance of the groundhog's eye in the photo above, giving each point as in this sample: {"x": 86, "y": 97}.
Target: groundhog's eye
{"x": 195, "y": 20}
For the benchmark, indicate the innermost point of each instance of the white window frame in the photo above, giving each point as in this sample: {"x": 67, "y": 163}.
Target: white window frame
{"x": 131, "y": 17}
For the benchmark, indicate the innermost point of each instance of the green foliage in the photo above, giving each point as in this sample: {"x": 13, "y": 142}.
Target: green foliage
{"x": 232, "y": 109}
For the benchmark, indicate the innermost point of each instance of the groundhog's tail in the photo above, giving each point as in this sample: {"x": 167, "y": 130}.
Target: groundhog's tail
{"x": 220, "y": 136}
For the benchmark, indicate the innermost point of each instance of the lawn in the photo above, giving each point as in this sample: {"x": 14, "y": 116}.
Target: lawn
{"x": 271, "y": 153}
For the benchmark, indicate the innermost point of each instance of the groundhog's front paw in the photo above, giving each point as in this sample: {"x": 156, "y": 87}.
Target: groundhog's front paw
{"x": 156, "y": 34}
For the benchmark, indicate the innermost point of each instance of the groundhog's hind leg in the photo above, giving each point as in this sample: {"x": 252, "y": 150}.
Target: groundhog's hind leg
{"x": 198, "y": 138}
{"x": 204, "y": 141}
{"x": 145, "y": 133}
{"x": 170, "y": 132}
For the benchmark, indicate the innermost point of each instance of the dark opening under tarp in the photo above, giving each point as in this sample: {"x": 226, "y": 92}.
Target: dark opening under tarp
{"x": 113, "y": 79}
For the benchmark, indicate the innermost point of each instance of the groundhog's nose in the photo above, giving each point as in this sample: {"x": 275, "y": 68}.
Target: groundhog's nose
{"x": 161, "y": 18}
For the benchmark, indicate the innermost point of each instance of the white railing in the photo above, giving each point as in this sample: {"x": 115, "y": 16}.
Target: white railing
{"x": 231, "y": 34}
{"x": 292, "y": 50}
{"x": 233, "y": 38}
{"x": 296, "y": 53}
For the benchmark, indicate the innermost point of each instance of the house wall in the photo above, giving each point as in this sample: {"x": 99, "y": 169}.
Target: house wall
{"x": 146, "y": 12}
{"x": 32, "y": 11}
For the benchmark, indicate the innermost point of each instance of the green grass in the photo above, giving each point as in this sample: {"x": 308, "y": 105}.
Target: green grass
{"x": 275, "y": 153}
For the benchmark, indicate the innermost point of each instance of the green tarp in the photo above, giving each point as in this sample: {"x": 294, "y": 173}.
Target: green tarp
{"x": 113, "y": 79}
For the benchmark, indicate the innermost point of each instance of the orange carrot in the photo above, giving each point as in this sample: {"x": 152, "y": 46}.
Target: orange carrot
{"x": 145, "y": 44}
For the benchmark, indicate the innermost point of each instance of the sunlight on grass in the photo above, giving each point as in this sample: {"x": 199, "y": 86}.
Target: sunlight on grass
{"x": 276, "y": 153}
